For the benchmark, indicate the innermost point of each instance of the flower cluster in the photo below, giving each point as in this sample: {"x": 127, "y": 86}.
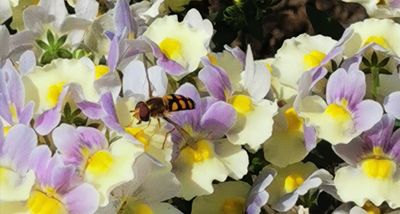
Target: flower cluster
{"x": 119, "y": 108}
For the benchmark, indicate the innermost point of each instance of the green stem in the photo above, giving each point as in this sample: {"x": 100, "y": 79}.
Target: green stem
{"x": 375, "y": 81}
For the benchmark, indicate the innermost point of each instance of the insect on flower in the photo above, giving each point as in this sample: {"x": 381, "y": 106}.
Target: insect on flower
{"x": 160, "y": 106}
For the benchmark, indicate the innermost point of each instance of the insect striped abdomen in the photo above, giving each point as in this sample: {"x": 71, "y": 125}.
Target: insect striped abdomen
{"x": 177, "y": 102}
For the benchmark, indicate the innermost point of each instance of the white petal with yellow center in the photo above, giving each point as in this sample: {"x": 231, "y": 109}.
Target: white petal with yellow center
{"x": 298, "y": 55}
{"x": 254, "y": 124}
{"x": 372, "y": 188}
{"x": 228, "y": 198}
{"x": 288, "y": 179}
{"x": 286, "y": 145}
{"x": 333, "y": 122}
{"x": 44, "y": 84}
{"x": 197, "y": 168}
{"x": 107, "y": 169}
{"x": 45, "y": 202}
{"x": 381, "y": 31}
{"x": 178, "y": 41}
{"x": 378, "y": 8}
{"x": 14, "y": 187}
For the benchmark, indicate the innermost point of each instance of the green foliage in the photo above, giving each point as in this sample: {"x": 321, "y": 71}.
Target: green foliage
{"x": 53, "y": 49}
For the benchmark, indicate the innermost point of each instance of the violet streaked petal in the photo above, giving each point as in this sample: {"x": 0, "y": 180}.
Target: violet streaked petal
{"x": 27, "y": 62}
{"x": 351, "y": 152}
{"x": 90, "y": 109}
{"x": 113, "y": 54}
{"x": 49, "y": 119}
{"x": 19, "y": 143}
{"x": 61, "y": 176}
{"x": 123, "y": 19}
{"x": 258, "y": 196}
{"x": 66, "y": 139}
{"x": 1, "y": 137}
{"x": 380, "y": 134}
{"x": 216, "y": 80}
{"x": 366, "y": 114}
{"x": 38, "y": 161}
{"x": 109, "y": 82}
{"x": 310, "y": 137}
{"x": 110, "y": 118}
{"x": 134, "y": 81}
{"x": 337, "y": 87}
{"x": 4, "y": 42}
{"x": 25, "y": 115}
{"x": 218, "y": 119}
{"x": 83, "y": 199}
{"x": 158, "y": 80}
{"x": 392, "y": 103}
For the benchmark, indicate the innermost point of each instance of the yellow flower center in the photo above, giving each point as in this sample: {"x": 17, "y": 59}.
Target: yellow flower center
{"x": 4, "y": 173}
{"x": 313, "y": 59}
{"x": 242, "y": 103}
{"x": 338, "y": 112}
{"x": 292, "y": 182}
{"x": 269, "y": 67}
{"x": 139, "y": 134}
{"x": 293, "y": 120}
{"x": 371, "y": 208}
{"x": 202, "y": 153}
{"x": 379, "y": 40}
{"x": 381, "y": 2}
{"x": 172, "y": 48}
{"x": 53, "y": 93}
{"x": 233, "y": 206}
{"x": 213, "y": 60}
{"x": 45, "y": 203}
{"x": 142, "y": 209}
{"x": 378, "y": 168}
{"x": 100, "y": 70}
{"x": 100, "y": 162}
{"x": 13, "y": 112}
{"x": 6, "y": 129}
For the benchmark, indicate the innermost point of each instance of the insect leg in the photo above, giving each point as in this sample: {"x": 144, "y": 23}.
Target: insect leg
{"x": 166, "y": 136}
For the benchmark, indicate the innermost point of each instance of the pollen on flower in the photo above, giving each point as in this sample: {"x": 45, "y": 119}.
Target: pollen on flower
{"x": 212, "y": 58}
{"x": 142, "y": 208}
{"x": 100, "y": 70}
{"x": 292, "y": 182}
{"x": 99, "y": 162}
{"x": 40, "y": 202}
{"x": 139, "y": 134}
{"x": 378, "y": 168}
{"x": 313, "y": 59}
{"x": 53, "y": 93}
{"x": 172, "y": 48}
{"x": 269, "y": 67}
{"x": 13, "y": 112}
{"x": 233, "y": 206}
{"x": 379, "y": 40}
{"x": 371, "y": 208}
{"x": 338, "y": 112}
{"x": 242, "y": 103}
{"x": 201, "y": 153}
{"x": 3, "y": 175}
{"x": 6, "y": 129}
{"x": 293, "y": 120}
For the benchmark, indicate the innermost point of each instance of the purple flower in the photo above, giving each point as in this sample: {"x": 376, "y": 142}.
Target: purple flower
{"x": 98, "y": 163}
{"x": 345, "y": 114}
{"x": 373, "y": 160}
{"x": 201, "y": 155}
{"x": 58, "y": 188}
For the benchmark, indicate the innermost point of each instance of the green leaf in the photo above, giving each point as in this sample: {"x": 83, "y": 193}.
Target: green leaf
{"x": 374, "y": 58}
{"x": 64, "y": 53}
{"x": 366, "y": 62}
{"x": 384, "y": 62}
{"x": 50, "y": 38}
{"x": 61, "y": 41}
{"x": 42, "y": 44}
{"x": 115, "y": 139}
{"x": 67, "y": 110}
{"x": 397, "y": 123}
{"x": 76, "y": 113}
{"x": 78, "y": 121}
{"x": 47, "y": 57}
